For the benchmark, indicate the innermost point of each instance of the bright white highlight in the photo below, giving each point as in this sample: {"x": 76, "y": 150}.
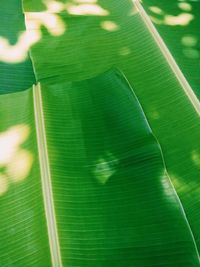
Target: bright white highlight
{"x": 181, "y": 20}
{"x": 18, "y": 52}
{"x": 86, "y": 9}
{"x": 110, "y": 26}
{"x": 15, "y": 161}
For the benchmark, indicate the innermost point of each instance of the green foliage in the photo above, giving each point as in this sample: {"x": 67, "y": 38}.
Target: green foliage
{"x": 99, "y": 163}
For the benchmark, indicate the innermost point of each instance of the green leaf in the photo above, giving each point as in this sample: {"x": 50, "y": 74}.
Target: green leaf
{"x": 172, "y": 109}
{"x": 82, "y": 176}
{"x": 16, "y": 71}
{"x": 23, "y": 232}
{"x": 180, "y": 35}
{"x": 112, "y": 199}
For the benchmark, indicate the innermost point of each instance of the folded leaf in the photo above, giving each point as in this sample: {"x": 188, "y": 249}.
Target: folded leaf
{"x": 111, "y": 201}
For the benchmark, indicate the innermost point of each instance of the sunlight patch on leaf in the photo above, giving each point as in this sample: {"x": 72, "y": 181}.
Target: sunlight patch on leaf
{"x": 156, "y": 10}
{"x": 177, "y": 183}
{"x": 18, "y": 52}
{"x": 167, "y": 188}
{"x": 189, "y": 40}
{"x": 133, "y": 11}
{"x": 86, "y": 9}
{"x": 76, "y": 7}
{"x": 18, "y": 169}
{"x": 156, "y": 20}
{"x": 85, "y": 1}
{"x": 105, "y": 167}
{"x": 54, "y": 6}
{"x": 53, "y": 23}
{"x": 181, "y": 20}
{"x": 10, "y": 141}
{"x": 15, "y": 161}
{"x": 196, "y": 157}
{"x": 110, "y": 26}
{"x": 185, "y": 6}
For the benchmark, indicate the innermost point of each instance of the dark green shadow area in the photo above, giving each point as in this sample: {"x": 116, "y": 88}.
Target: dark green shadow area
{"x": 13, "y": 76}
{"x": 182, "y": 40}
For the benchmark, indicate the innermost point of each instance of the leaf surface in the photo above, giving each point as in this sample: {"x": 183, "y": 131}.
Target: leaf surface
{"x": 107, "y": 198}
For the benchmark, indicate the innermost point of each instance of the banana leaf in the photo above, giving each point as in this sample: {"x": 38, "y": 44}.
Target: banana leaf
{"x": 16, "y": 71}
{"x": 178, "y": 24}
{"x": 83, "y": 176}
